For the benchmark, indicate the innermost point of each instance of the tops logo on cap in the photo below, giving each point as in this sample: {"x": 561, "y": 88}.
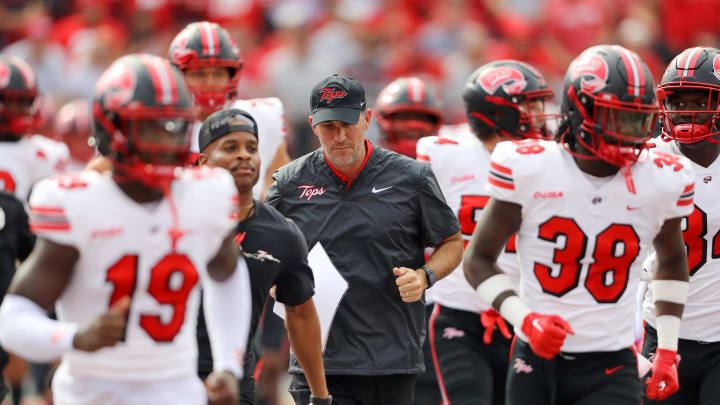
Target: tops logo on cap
{"x": 328, "y": 94}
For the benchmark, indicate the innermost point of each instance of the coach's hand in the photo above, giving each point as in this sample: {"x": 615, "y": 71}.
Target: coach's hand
{"x": 411, "y": 283}
{"x": 664, "y": 379}
{"x": 222, "y": 388}
{"x": 546, "y": 333}
{"x": 105, "y": 330}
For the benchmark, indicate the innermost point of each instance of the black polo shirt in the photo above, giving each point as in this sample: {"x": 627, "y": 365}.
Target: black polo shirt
{"x": 276, "y": 254}
{"x": 382, "y": 218}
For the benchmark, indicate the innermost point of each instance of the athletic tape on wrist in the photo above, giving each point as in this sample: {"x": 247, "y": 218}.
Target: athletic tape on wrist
{"x": 668, "y": 331}
{"x": 514, "y": 310}
{"x": 674, "y": 291}
{"x": 491, "y": 288}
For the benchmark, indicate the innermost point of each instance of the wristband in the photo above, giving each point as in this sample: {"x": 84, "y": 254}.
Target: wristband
{"x": 321, "y": 401}
{"x": 668, "y": 331}
{"x": 430, "y": 276}
{"x": 514, "y": 310}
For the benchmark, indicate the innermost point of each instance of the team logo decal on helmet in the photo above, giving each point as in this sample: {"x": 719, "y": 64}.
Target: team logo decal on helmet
{"x": 716, "y": 66}
{"x": 116, "y": 86}
{"x": 331, "y": 93}
{"x": 511, "y": 80}
{"x": 593, "y": 70}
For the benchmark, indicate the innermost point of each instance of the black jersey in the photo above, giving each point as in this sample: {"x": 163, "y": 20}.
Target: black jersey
{"x": 382, "y": 218}
{"x": 276, "y": 254}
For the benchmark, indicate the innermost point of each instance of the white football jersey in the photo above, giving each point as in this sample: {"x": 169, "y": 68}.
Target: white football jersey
{"x": 701, "y": 232}
{"x": 28, "y": 160}
{"x": 270, "y": 118}
{"x": 460, "y": 163}
{"x": 580, "y": 245}
{"x": 126, "y": 250}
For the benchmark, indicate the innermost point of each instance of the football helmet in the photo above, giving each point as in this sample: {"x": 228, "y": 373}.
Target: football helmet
{"x": 694, "y": 70}
{"x": 73, "y": 127}
{"x": 609, "y": 106}
{"x": 19, "y": 112}
{"x": 142, "y": 115}
{"x": 207, "y": 44}
{"x": 495, "y": 98}
{"x": 407, "y": 111}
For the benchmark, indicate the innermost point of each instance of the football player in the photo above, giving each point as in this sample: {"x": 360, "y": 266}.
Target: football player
{"x": 688, "y": 94}
{"x": 407, "y": 111}
{"x": 585, "y": 208}
{"x": 504, "y": 100}
{"x": 122, "y": 256}
{"x": 211, "y": 64}
{"x": 24, "y": 158}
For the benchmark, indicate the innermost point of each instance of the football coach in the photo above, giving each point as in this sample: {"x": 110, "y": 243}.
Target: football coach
{"x": 374, "y": 212}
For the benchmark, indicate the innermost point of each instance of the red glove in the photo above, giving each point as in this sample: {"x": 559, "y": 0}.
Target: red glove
{"x": 546, "y": 333}
{"x": 489, "y": 320}
{"x": 664, "y": 380}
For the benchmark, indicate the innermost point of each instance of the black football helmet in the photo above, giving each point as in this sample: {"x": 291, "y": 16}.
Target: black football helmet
{"x": 494, "y": 95}
{"x": 142, "y": 114}
{"x": 695, "y": 69}
{"x": 609, "y": 105}
{"x": 402, "y": 131}
{"x": 207, "y": 44}
{"x": 19, "y": 110}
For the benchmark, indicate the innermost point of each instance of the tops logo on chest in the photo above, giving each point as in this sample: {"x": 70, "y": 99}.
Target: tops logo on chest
{"x": 310, "y": 191}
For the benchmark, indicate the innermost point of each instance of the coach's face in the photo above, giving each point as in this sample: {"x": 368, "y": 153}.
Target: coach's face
{"x": 344, "y": 143}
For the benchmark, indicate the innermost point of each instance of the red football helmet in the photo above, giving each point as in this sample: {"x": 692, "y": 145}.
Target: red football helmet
{"x": 142, "y": 116}
{"x": 18, "y": 97}
{"x": 207, "y": 44}
{"x": 695, "y": 70}
{"x": 407, "y": 111}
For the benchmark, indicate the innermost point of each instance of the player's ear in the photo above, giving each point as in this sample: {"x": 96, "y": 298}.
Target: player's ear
{"x": 202, "y": 159}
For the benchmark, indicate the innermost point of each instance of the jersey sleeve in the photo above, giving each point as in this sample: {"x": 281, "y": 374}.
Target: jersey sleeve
{"x": 437, "y": 220}
{"x": 295, "y": 284}
{"x": 49, "y": 217}
{"x": 423, "y": 149}
{"x": 502, "y": 173}
{"x": 684, "y": 192}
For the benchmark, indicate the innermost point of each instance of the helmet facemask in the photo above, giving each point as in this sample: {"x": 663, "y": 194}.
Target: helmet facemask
{"x": 690, "y": 112}
{"x": 19, "y": 112}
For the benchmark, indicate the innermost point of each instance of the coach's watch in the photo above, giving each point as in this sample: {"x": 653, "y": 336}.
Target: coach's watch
{"x": 430, "y": 275}
{"x": 321, "y": 401}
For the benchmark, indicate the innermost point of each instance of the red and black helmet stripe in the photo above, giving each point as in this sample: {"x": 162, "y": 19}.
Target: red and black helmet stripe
{"x": 635, "y": 74}
{"x": 416, "y": 90}
{"x": 166, "y": 91}
{"x": 210, "y": 40}
{"x": 687, "y": 61}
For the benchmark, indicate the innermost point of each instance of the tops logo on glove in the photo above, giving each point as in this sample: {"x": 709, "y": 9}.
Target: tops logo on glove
{"x": 328, "y": 94}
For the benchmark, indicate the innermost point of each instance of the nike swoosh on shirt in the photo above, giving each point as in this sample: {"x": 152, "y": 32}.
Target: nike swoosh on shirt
{"x": 609, "y": 371}
{"x": 377, "y": 190}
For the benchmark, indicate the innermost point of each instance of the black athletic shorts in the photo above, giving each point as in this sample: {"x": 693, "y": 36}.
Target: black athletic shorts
{"x": 469, "y": 371}
{"x": 699, "y": 371}
{"x": 591, "y": 378}
{"x": 394, "y": 389}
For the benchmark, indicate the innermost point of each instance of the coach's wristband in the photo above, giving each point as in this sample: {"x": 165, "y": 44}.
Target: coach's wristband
{"x": 321, "y": 401}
